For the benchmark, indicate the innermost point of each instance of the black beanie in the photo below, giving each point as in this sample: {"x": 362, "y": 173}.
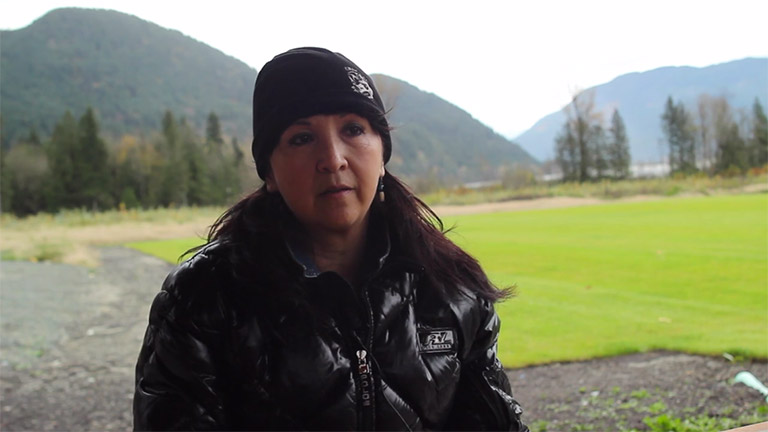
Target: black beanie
{"x": 303, "y": 82}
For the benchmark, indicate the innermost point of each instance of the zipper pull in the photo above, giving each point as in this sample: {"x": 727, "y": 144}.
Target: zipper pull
{"x": 362, "y": 362}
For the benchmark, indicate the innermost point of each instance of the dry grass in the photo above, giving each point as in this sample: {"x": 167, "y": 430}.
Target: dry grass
{"x": 70, "y": 237}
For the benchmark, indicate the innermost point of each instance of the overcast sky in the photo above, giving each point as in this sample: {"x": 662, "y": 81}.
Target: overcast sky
{"x": 506, "y": 63}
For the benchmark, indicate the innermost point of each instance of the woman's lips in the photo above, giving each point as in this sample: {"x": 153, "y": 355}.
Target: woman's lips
{"x": 336, "y": 190}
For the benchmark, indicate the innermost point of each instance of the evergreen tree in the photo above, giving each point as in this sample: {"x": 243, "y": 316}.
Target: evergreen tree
{"x": 6, "y": 193}
{"x": 33, "y": 139}
{"x": 599, "y": 150}
{"x": 618, "y": 147}
{"x": 200, "y": 187}
{"x": 758, "y": 146}
{"x": 174, "y": 184}
{"x": 223, "y": 165}
{"x": 92, "y": 164}
{"x": 677, "y": 128}
{"x": 213, "y": 131}
{"x": 731, "y": 150}
{"x": 239, "y": 155}
{"x": 62, "y": 153}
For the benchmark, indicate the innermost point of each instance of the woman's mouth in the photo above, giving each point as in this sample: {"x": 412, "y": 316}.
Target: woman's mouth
{"x": 336, "y": 190}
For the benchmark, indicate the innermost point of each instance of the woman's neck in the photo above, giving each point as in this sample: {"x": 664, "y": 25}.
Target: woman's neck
{"x": 340, "y": 252}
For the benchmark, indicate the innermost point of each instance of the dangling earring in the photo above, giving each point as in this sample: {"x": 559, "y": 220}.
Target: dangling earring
{"x": 381, "y": 189}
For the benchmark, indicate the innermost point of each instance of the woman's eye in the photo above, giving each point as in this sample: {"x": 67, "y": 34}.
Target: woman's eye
{"x": 300, "y": 139}
{"x": 354, "y": 129}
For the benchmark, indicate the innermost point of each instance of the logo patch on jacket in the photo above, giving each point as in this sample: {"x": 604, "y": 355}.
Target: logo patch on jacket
{"x": 437, "y": 340}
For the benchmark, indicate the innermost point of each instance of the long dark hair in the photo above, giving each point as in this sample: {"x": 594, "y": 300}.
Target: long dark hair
{"x": 256, "y": 224}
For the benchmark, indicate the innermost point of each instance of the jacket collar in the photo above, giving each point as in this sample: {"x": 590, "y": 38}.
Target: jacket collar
{"x": 377, "y": 248}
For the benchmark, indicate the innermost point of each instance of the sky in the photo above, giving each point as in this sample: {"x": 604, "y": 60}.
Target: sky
{"x": 507, "y": 63}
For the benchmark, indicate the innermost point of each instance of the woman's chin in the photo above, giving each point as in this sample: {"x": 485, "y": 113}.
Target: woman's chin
{"x": 339, "y": 222}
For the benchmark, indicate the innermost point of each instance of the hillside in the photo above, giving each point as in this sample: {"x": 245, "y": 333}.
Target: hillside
{"x": 640, "y": 99}
{"x": 131, "y": 71}
{"x": 128, "y": 69}
{"x": 435, "y": 138}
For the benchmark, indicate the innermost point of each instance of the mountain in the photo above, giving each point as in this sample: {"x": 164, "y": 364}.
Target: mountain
{"x": 131, "y": 71}
{"x": 432, "y": 137}
{"x": 128, "y": 69}
{"x": 640, "y": 99}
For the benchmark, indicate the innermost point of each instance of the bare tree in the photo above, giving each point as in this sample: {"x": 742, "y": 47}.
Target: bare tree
{"x": 705, "y": 143}
{"x": 578, "y": 145}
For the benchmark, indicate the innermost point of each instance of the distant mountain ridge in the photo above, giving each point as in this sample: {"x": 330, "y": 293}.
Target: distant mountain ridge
{"x": 640, "y": 98}
{"x": 130, "y": 71}
{"x": 434, "y": 138}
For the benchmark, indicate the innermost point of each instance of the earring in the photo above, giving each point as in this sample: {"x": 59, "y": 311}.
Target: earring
{"x": 381, "y": 189}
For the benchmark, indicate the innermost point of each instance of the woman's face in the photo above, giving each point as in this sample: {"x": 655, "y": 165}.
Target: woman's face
{"x": 327, "y": 168}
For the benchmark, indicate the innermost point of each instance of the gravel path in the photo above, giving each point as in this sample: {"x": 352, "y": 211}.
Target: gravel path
{"x": 69, "y": 338}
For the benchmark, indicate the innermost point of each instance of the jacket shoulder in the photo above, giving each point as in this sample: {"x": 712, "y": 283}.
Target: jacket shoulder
{"x": 196, "y": 288}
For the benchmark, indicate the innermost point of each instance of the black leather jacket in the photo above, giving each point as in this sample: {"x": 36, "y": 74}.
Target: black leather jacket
{"x": 221, "y": 354}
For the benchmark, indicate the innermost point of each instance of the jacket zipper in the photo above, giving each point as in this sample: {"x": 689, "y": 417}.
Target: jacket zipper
{"x": 367, "y": 399}
{"x": 365, "y": 394}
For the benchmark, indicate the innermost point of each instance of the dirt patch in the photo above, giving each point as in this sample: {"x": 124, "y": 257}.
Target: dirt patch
{"x": 625, "y": 392}
{"x": 71, "y": 335}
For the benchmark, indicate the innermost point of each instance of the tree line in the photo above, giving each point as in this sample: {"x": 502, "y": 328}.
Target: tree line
{"x": 77, "y": 168}
{"x": 586, "y": 149}
{"x": 713, "y": 139}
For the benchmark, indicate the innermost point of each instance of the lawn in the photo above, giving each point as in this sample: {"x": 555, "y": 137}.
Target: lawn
{"x": 686, "y": 274}
{"x": 168, "y": 250}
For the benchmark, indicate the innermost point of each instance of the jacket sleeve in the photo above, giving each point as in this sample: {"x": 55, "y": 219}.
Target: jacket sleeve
{"x": 178, "y": 381}
{"x": 484, "y": 397}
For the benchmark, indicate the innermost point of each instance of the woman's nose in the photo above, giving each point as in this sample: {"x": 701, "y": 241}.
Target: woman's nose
{"x": 331, "y": 156}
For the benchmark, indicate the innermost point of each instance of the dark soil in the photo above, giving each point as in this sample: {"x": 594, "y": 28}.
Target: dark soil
{"x": 619, "y": 393}
{"x": 69, "y": 338}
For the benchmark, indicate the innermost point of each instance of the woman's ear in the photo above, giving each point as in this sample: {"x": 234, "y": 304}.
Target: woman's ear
{"x": 383, "y": 171}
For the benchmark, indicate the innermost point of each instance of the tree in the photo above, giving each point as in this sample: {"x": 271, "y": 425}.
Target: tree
{"x": 62, "y": 153}
{"x": 201, "y": 190}
{"x": 26, "y": 168}
{"x": 731, "y": 151}
{"x": 618, "y": 147}
{"x": 599, "y": 148}
{"x": 173, "y": 184}
{"x": 91, "y": 162}
{"x": 730, "y": 148}
{"x": 6, "y": 192}
{"x": 705, "y": 143}
{"x": 579, "y": 142}
{"x": 134, "y": 160}
{"x": 566, "y": 154}
{"x": 758, "y": 143}
{"x": 677, "y": 128}
{"x": 26, "y": 159}
{"x": 213, "y": 131}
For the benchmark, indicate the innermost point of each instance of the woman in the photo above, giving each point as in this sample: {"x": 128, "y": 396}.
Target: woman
{"x": 327, "y": 299}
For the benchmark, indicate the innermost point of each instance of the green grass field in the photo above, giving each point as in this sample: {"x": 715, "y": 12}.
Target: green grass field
{"x": 686, "y": 274}
{"x": 168, "y": 250}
